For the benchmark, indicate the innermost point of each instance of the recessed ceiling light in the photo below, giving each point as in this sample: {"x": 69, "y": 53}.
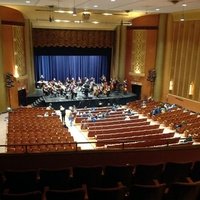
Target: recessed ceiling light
{"x": 61, "y": 20}
{"x": 27, "y": 1}
{"x": 69, "y": 12}
{"x": 112, "y": 0}
{"x": 182, "y": 19}
{"x": 157, "y": 9}
{"x": 184, "y": 4}
{"x": 95, "y": 6}
{"x": 78, "y": 21}
{"x": 107, "y": 14}
{"x": 95, "y": 22}
{"x": 57, "y": 20}
{"x": 60, "y": 11}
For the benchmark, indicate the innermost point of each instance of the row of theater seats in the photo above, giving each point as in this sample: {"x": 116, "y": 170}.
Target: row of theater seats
{"x": 37, "y": 130}
{"x": 176, "y": 117}
{"x": 163, "y": 181}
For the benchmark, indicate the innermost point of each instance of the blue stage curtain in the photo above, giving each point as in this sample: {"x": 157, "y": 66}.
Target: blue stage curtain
{"x": 72, "y": 66}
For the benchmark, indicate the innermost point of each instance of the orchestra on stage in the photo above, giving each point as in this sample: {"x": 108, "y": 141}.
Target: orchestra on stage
{"x": 88, "y": 86}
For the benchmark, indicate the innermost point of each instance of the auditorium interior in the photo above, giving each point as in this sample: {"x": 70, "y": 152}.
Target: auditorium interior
{"x": 100, "y": 100}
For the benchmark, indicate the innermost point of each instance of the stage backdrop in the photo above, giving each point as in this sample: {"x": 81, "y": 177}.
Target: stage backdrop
{"x": 60, "y": 63}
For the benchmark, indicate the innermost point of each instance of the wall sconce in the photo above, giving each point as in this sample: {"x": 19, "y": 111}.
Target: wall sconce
{"x": 16, "y": 73}
{"x": 191, "y": 89}
{"x": 171, "y": 85}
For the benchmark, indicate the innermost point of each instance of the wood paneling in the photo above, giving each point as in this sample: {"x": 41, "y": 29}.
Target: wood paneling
{"x": 151, "y": 46}
{"x": 185, "y": 58}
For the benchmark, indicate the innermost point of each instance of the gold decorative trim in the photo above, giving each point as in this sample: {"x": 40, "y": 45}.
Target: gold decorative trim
{"x": 19, "y": 54}
{"x": 138, "y": 53}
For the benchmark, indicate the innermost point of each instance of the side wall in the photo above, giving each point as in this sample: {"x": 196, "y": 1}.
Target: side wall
{"x": 12, "y": 58}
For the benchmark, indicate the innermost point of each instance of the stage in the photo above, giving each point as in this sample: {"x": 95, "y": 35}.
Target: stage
{"x": 81, "y": 100}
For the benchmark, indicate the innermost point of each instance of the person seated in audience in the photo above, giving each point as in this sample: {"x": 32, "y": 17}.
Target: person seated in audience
{"x": 46, "y": 114}
{"x": 156, "y": 110}
{"x": 49, "y": 107}
{"x": 180, "y": 125}
{"x": 127, "y": 118}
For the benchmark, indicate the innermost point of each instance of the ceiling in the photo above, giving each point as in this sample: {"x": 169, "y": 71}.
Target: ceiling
{"x": 42, "y": 13}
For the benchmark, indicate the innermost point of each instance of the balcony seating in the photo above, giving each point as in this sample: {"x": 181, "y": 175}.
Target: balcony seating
{"x": 148, "y": 174}
{"x": 114, "y": 193}
{"x": 176, "y": 172}
{"x": 118, "y": 174}
{"x": 91, "y": 176}
{"x": 183, "y": 191}
{"x": 147, "y": 192}
{"x": 73, "y": 194}
{"x": 55, "y": 179}
{"x": 20, "y": 181}
{"x": 36, "y": 195}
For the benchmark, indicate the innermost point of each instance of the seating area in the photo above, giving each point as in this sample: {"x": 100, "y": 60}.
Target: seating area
{"x": 37, "y": 130}
{"x": 141, "y": 130}
{"x": 140, "y": 124}
{"x": 161, "y": 181}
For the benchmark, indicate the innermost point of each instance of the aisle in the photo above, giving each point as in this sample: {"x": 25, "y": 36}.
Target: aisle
{"x": 79, "y": 136}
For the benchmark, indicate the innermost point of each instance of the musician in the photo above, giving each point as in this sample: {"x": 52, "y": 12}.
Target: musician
{"x": 86, "y": 88}
{"x": 125, "y": 87}
{"x": 103, "y": 79}
{"x": 79, "y": 81}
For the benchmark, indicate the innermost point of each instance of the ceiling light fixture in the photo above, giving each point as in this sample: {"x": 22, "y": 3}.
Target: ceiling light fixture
{"x": 28, "y": 1}
{"x": 95, "y": 22}
{"x": 107, "y": 14}
{"x": 74, "y": 10}
{"x": 182, "y": 19}
{"x": 95, "y": 6}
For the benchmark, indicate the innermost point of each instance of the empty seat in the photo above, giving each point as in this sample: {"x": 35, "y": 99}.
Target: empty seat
{"x": 73, "y": 194}
{"x": 114, "y": 193}
{"x": 21, "y": 181}
{"x": 195, "y": 173}
{"x": 183, "y": 191}
{"x": 36, "y": 195}
{"x": 147, "y": 192}
{"x": 55, "y": 178}
{"x": 89, "y": 175}
{"x": 147, "y": 174}
{"x": 118, "y": 173}
{"x": 176, "y": 172}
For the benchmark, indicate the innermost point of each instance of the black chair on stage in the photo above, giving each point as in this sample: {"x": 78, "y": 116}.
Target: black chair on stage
{"x": 89, "y": 175}
{"x": 19, "y": 181}
{"x": 113, "y": 175}
{"x": 148, "y": 174}
{"x": 55, "y": 179}
{"x": 37, "y": 195}
{"x": 176, "y": 172}
{"x": 183, "y": 191}
{"x": 147, "y": 192}
{"x": 73, "y": 194}
{"x": 114, "y": 193}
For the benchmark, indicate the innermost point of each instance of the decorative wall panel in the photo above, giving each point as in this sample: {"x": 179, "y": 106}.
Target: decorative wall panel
{"x": 73, "y": 38}
{"x": 138, "y": 53}
{"x": 19, "y": 54}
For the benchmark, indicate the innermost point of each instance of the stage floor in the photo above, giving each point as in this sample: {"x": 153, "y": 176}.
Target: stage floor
{"x": 81, "y": 101}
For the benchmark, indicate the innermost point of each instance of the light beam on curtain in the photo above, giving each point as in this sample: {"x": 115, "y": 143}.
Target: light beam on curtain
{"x": 61, "y": 67}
